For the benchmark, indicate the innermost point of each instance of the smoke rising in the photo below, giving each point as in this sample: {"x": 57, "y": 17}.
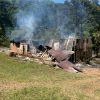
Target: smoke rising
{"x": 25, "y": 26}
{"x": 45, "y": 19}
{"x": 29, "y": 17}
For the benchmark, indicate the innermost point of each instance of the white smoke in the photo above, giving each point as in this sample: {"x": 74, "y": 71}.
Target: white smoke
{"x": 30, "y": 15}
{"x": 25, "y": 26}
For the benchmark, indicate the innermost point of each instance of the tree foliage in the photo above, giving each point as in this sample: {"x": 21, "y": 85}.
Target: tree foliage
{"x": 6, "y": 19}
{"x": 75, "y": 16}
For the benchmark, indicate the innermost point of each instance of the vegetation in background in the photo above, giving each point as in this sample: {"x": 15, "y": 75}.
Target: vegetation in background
{"x": 7, "y": 10}
{"x": 80, "y": 17}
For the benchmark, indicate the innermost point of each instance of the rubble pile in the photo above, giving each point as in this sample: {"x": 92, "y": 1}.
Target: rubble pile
{"x": 50, "y": 54}
{"x": 67, "y": 66}
{"x": 62, "y": 59}
{"x": 60, "y": 55}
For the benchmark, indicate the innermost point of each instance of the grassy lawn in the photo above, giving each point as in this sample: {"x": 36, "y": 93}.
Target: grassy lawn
{"x": 31, "y": 81}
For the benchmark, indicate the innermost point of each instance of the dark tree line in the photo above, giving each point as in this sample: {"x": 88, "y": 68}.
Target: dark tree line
{"x": 6, "y": 20}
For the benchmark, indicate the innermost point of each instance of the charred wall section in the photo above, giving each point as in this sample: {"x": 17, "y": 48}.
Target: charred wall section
{"x": 83, "y": 50}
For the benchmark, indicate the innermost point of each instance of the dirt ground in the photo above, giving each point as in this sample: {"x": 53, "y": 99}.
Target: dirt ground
{"x": 91, "y": 71}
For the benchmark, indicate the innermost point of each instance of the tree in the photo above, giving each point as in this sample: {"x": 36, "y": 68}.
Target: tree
{"x": 85, "y": 15}
{"x": 96, "y": 37}
{"x": 6, "y": 19}
{"x": 77, "y": 17}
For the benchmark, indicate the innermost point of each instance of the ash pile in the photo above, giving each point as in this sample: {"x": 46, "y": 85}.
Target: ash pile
{"x": 56, "y": 53}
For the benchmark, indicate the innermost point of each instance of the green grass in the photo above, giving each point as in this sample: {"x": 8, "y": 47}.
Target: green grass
{"x": 35, "y": 93}
{"x": 31, "y": 81}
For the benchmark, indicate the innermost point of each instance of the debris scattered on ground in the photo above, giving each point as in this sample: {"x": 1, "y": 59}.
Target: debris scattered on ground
{"x": 51, "y": 54}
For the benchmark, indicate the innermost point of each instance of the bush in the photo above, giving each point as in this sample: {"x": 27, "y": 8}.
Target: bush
{"x": 4, "y": 41}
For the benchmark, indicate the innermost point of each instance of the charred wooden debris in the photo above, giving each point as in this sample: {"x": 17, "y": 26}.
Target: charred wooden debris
{"x": 63, "y": 53}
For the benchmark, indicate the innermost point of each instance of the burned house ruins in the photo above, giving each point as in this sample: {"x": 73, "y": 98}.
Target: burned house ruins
{"x": 61, "y": 53}
{"x": 19, "y": 48}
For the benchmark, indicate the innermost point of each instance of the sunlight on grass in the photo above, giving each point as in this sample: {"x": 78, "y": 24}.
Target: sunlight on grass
{"x": 35, "y": 93}
{"x": 21, "y": 80}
